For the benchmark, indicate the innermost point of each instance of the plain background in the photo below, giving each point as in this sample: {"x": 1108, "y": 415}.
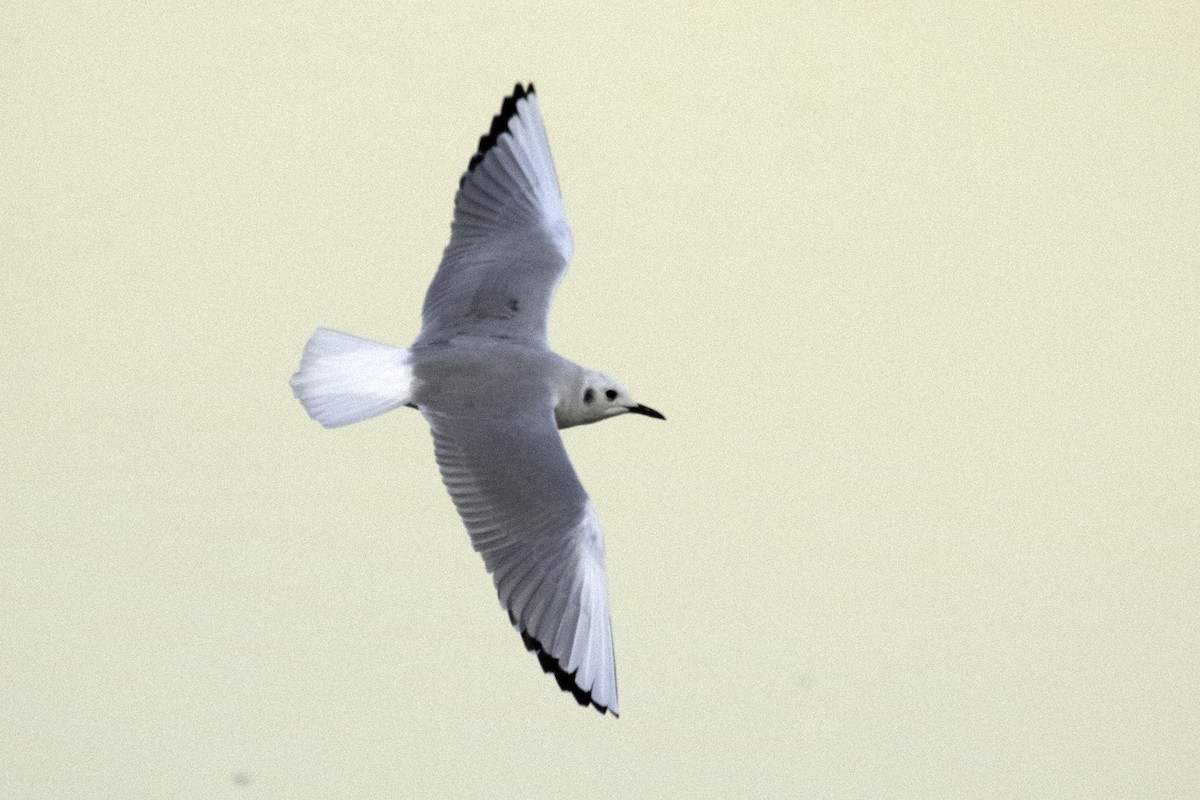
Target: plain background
{"x": 917, "y": 288}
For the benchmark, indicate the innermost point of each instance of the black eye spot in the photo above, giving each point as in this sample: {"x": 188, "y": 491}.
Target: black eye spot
{"x": 611, "y": 394}
{"x": 589, "y": 396}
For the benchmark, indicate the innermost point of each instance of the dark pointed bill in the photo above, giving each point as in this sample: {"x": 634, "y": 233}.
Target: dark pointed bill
{"x": 646, "y": 411}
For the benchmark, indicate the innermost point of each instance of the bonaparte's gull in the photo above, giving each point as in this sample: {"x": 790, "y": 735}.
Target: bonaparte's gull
{"x": 482, "y": 375}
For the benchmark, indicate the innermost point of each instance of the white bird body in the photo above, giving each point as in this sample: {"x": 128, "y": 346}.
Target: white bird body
{"x": 495, "y": 396}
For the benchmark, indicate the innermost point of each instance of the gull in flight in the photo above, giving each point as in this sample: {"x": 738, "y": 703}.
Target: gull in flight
{"x": 495, "y": 396}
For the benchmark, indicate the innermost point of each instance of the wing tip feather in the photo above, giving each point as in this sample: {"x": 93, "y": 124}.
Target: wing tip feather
{"x": 508, "y": 110}
{"x": 566, "y": 680}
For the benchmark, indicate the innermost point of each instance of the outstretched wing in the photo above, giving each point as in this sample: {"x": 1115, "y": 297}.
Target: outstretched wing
{"x": 530, "y": 519}
{"x": 509, "y": 241}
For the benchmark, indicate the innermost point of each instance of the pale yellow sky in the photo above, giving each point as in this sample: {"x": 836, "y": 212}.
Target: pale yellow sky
{"x": 918, "y": 291}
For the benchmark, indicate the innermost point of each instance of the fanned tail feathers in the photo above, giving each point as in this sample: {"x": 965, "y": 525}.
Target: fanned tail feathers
{"x": 344, "y": 379}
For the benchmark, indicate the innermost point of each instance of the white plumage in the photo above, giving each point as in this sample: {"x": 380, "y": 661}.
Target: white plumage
{"x": 495, "y": 397}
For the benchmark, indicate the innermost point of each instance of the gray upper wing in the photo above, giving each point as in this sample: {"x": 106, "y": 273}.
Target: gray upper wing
{"x": 509, "y": 241}
{"x": 530, "y": 519}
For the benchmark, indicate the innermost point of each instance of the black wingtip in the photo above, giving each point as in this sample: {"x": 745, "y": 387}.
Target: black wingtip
{"x": 565, "y": 680}
{"x": 508, "y": 110}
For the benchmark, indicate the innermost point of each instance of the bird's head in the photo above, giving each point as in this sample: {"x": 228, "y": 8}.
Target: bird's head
{"x": 592, "y": 396}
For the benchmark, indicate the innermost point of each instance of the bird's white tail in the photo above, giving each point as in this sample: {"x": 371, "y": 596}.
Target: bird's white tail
{"x": 344, "y": 379}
